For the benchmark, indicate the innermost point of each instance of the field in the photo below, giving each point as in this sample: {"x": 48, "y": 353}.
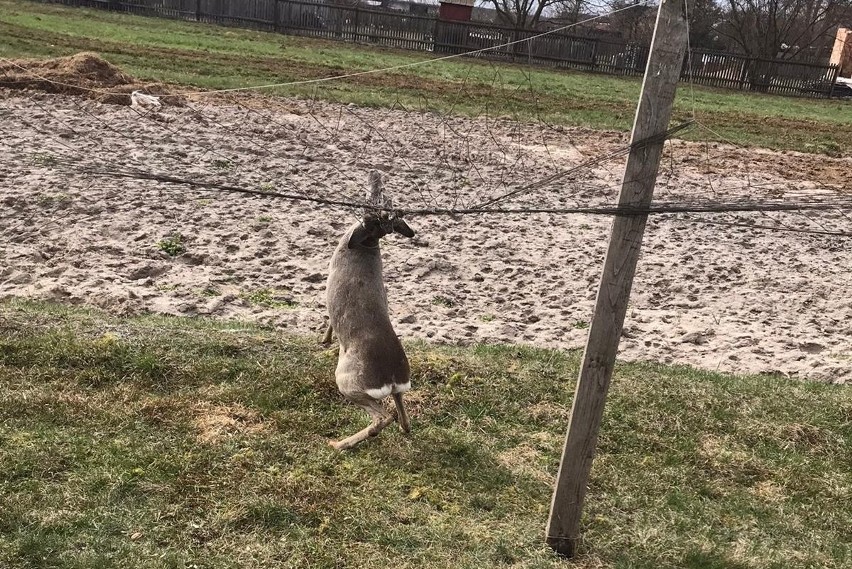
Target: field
{"x": 213, "y": 57}
{"x": 174, "y": 442}
{"x": 726, "y": 298}
{"x": 163, "y": 398}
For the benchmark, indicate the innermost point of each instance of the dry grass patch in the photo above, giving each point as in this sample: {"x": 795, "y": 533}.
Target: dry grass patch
{"x": 216, "y": 422}
{"x": 524, "y": 460}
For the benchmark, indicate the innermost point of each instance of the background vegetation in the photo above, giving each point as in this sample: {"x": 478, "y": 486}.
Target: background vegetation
{"x": 213, "y": 57}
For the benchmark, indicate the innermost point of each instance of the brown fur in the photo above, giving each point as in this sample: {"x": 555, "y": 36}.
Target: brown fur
{"x": 371, "y": 355}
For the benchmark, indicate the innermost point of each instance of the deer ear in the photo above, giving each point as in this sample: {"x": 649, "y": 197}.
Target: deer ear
{"x": 359, "y": 235}
{"x": 402, "y": 228}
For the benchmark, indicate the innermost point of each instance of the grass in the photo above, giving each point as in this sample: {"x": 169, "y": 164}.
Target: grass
{"x": 215, "y": 57}
{"x": 44, "y": 159}
{"x": 172, "y": 245}
{"x": 444, "y": 301}
{"x": 163, "y": 442}
{"x": 269, "y": 298}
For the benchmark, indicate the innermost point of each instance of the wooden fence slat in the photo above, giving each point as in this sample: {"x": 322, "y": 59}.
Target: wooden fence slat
{"x": 428, "y": 33}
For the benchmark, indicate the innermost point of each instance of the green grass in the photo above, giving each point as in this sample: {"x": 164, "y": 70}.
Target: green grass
{"x": 215, "y": 57}
{"x": 172, "y": 245}
{"x": 164, "y": 442}
{"x": 269, "y": 298}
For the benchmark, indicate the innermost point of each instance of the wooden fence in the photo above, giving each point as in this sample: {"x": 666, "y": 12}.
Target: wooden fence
{"x": 781, "y": 77}
{"x": 427, "y": 33}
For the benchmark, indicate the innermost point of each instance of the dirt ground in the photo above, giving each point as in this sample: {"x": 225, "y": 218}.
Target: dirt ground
{"x": 719, "y": 296}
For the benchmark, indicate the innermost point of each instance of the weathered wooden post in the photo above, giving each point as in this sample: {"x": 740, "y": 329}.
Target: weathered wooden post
{"x": 357, "y": 20}
{"x": 833, "y": 73}
{"x": 276, "y": 16}
{"x": 640, "y": 174}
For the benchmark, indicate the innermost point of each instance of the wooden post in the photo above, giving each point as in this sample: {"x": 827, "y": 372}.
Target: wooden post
{"x": 833, "y": 72}
{"x": 357, "y": 20}
{"x": 652, "y": 118}
{"x": 744, "y": 74}
{"x": 285, "y": 16}
{"x": 276, "y": 16}
{"x": 594, "y": 53}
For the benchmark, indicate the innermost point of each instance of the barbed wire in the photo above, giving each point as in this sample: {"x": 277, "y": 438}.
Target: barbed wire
{"x": 663, "y": 136}
{"x": 269, "y": 119}
{"x": 832, "y": 202}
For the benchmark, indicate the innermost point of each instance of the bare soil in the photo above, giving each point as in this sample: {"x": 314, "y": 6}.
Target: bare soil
{"x": 719, "y": 297}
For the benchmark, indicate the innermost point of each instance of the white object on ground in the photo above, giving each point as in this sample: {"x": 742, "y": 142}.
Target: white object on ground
{"x": 141, "y": 101}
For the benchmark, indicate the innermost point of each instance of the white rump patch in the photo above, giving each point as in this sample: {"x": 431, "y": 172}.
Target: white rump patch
{"x": 381, "y": 393}
{"x": 401, "y": 387}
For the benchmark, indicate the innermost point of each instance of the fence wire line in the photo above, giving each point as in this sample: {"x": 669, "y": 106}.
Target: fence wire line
{"x": 483, "y": 208}
{"x": 167, "y": 126}
{"x": 512, "y": 193}
{"x": 191, "y": 110}
{"x": 768, "y": 227}
{"x": 662, "y": 137}
{"x": 689, "y": 56}
{"x": 98, "y": 120}
{"x": 643, "y": 4}
{"x": 619, "y": 210}
{"x": 779, "y": 226}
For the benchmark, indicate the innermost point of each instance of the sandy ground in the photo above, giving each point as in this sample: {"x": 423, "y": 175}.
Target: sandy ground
{"x": 718, "y": 297}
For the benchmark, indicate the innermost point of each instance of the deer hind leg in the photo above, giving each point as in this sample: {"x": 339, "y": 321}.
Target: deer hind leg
{"x": 380, "y": 418}
{"x": 401, "y": 413}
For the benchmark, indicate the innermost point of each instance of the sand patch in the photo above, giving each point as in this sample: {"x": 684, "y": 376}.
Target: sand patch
{"x": 730, "y": 299}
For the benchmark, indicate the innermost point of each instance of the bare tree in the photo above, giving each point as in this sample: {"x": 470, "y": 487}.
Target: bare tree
{"x": 781, "y": 28}
{"x": 525, "y": 14}
{"x": 569, "y": 11}
{"x": 704, "y": 17}
{"x": 635, "y": 25}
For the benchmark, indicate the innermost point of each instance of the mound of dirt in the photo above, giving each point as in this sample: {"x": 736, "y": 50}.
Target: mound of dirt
{"x": 85, "y": 73}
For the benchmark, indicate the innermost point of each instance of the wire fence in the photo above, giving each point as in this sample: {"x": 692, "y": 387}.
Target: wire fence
{"x": 468, "y": 177}
{"x": 525, "y": 199}
{"x": 250, "y": 193}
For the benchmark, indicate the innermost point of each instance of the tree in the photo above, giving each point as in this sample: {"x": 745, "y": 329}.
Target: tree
{"x": 570, "y": 11}
{"x": 781, "y": 28}
{"x": 704, "y": 18}
{"x": 635, "y": 26}
{"x": 525, "y": 14}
